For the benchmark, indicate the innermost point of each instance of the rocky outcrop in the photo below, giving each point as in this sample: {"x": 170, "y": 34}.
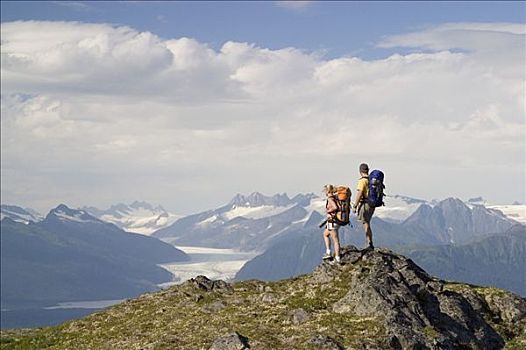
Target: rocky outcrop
{"x": 418, "y": 311}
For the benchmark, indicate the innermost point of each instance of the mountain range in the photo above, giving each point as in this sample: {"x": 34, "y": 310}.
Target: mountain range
{"x": 88, "y": 258}
{"x": 73, "y": 256}
{"x": 252, "y": 222}
{"x": 245, "y": 223}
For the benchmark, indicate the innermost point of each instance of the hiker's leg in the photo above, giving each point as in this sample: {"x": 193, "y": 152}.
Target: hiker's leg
{"x": 335, "y": 237}
{"x": 326, "y": 234}
{"x": 368, "y": 232}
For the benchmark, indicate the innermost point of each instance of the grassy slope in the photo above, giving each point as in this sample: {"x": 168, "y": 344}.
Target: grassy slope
{"x": 179, "y": 317}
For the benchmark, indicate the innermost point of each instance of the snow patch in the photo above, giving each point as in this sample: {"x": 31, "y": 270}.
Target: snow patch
{"x": 208, "y": 221}
{"x": 255, "y": 212}
{"x": 66, "y": 217}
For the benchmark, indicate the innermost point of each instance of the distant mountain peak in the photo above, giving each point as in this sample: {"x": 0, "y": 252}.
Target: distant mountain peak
{"x": 139, "y": 216}
{"x": 19, "y": 214}
{"x": 477, "y": 200}
{"x": 147, "y": 206}
{"x": 257, "y": 199}
{"x": 62, "y": 208}
{"x": 453, "y": 204}
{"x": 66, "y": 214}
{"x": 453, "y": 200}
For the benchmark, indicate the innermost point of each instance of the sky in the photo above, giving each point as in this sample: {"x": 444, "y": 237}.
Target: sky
{"x": 185, "y": 104}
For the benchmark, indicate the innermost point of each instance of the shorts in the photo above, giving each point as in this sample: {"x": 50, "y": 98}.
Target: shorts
{"x": 332, "y": 226}
{"x": 365, "y": 212}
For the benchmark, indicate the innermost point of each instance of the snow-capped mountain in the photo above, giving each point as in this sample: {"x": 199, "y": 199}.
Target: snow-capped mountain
{"x": 18, "y": 214}
{"x": 65, "y": 214}
{"x": 454, "y": 221}
{"x": 246, "y": 222}
{"x": 139, "y": 217}
{"x": 398, "y": 208}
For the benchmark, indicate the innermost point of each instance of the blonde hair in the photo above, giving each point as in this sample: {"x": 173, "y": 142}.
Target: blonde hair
{"x": 329, "y": 189}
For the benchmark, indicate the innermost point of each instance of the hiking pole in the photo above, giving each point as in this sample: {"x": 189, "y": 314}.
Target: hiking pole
{"x": 323, "y": 223}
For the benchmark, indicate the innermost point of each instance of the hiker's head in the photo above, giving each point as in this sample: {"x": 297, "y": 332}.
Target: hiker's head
{"x": 364, "y": 168}
{"x": 328, "y": 190}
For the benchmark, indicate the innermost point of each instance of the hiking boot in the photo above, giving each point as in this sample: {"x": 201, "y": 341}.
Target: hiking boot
{"x": 327, "y": 257}
{"x": 337, "y": 260}
{"x": 369, "y": 248}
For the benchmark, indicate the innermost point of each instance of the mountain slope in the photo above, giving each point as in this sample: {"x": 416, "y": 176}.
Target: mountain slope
{"x": 497, "y": 261}
{"x": 376, "y": 300}
{"x": 72, "y": 256}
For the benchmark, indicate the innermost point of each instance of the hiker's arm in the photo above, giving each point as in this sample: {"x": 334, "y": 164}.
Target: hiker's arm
{"x": 331, "y": 207}
{"x": 359, "y": 194}
{"x": 362, "y": 186}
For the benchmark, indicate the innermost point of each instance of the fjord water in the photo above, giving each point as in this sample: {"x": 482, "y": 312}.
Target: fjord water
{"x": 212, "y": 262}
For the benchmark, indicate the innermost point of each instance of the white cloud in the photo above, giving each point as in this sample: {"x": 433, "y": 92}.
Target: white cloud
{"x": 94, "y": 114}
{"x": 473, "y": 36}
{"x": 74, "y": 5}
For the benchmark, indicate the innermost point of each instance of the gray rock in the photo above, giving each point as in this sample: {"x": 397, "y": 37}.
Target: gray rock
{"x": 208, "y": 285}
{"x": 268, "y": 298}
{"x": 232, "y": 341}
{"x": 202, "y": 282}
{"x": 323, "y": 342}
{"x": 298, "y": 316}
{"x": 214, "y": 307}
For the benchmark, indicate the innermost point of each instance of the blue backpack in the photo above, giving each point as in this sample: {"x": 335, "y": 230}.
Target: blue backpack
{"x": 376, "y": 189}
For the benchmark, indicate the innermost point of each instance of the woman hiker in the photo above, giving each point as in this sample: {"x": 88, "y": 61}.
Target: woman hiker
{"x": 331, "y": 228}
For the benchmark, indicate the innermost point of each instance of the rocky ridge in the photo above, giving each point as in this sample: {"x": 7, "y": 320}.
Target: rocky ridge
{"x": 375, "y": 300}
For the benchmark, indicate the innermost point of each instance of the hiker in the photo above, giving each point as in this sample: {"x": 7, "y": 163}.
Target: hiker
{"x": 331, "y": 227}
{"x": 361, "y": 206}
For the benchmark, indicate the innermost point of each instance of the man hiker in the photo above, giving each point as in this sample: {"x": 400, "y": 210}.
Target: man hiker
{"x": 331, "y": 227}
{"x": 361, "y": 206}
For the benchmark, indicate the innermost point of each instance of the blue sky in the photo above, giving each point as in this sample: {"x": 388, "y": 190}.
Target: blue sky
{"x": 185, "y": 104}
{"x": 337, "y": 28}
